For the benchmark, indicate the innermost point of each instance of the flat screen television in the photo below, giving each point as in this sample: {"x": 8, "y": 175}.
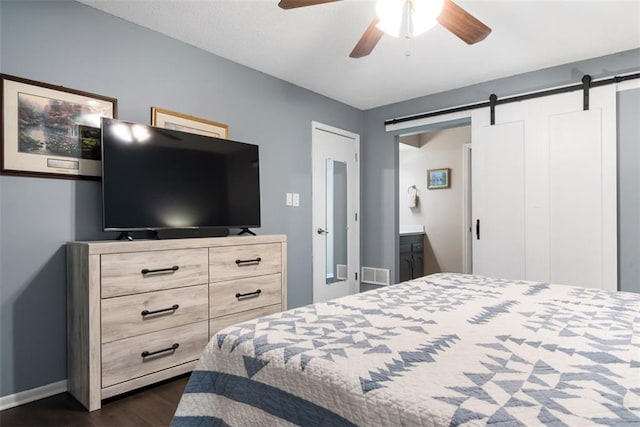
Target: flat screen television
{"x": 158, "y": 179}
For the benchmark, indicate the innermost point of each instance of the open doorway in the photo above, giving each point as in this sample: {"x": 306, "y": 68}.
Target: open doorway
{"x": 434, "y": 220}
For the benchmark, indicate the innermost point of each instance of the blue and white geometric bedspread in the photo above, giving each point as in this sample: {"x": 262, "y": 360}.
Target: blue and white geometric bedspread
{"x": 443, "y": 350}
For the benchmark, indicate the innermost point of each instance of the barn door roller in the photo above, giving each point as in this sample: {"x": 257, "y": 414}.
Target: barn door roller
{"x": 493, "y": 100}
{"x": 586, "y": 84}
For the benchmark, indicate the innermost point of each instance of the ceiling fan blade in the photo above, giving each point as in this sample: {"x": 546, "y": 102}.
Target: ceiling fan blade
{"x": 368, "y": 41}
{"x": 462, "y": 23}
{"x": 292, "y": 4}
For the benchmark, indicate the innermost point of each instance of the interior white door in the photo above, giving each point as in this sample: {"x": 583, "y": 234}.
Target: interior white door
{"x": 335, "y": 206}
{"x": 498, "y": 201}
{"x": 568, "y": 185}
{"x": 576, "y": 198}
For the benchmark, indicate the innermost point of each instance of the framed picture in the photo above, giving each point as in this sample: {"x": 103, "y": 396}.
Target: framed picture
{"x": 438, "y": 178}
{"x": 183, "y": 122}
{"x": 51, "y": 131}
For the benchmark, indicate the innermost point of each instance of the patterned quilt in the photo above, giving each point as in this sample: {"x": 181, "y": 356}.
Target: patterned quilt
{"x": 443, "y": 350}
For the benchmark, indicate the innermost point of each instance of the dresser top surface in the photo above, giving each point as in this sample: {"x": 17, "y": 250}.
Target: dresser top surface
{"x": 115, "y": 246}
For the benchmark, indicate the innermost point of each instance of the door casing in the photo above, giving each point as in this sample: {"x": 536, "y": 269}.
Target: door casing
{"x": 323, "y": 138}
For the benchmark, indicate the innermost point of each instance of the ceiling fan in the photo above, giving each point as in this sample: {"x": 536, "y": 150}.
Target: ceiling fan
{"x": 409, "y": 17}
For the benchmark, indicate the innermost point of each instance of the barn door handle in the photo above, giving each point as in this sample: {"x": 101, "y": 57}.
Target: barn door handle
{"x": 477, "y": 229}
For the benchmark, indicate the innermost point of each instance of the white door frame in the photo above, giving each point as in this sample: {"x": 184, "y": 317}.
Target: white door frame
{"x": 353, "y": 212}
{"x": 467, "y": 213}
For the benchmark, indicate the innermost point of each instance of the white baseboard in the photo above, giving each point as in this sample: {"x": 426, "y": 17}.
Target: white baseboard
{"x": 33, "y": 394}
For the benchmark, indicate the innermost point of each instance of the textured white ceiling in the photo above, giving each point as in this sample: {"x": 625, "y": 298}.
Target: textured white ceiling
{"x": 310, "y": 46}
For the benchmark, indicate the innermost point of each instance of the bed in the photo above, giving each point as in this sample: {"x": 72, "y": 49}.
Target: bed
{"x": 442, "y": 350}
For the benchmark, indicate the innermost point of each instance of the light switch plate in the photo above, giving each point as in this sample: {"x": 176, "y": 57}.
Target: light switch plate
{"x": 296, "y": 199}
{"x": 289, "y": 199}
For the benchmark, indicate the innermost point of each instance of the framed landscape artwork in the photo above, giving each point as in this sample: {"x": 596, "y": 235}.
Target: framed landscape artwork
{"x": 438, "y": 178}
{"x": 51, "y": 131}
{"x": 183, "y": 122}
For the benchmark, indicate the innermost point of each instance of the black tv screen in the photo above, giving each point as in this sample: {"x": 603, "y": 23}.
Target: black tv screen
{"x": 156, "y": 178}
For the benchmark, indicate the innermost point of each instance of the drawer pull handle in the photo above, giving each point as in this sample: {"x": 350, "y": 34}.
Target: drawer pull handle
{"x": 174, "y": 307}
{"x": 151, "y": 353}
{"x": 249, "y": 294}
{"x": 242, "y": 262}
{"x": 160, "y": 270}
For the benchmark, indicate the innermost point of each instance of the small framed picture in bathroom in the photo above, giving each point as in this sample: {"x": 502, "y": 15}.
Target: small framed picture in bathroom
{"x": 438, "y": 178}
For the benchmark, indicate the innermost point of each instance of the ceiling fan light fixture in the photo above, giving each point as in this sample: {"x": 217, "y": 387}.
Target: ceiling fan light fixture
{"x": 389, "y": 13}
{"x": 424, "y": 15}
{"x": 408, "y": 17}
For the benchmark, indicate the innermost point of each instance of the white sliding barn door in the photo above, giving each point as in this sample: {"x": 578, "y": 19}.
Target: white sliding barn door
{"x": 568, "y": 232}
{"x": 576, "y": 199}
{"x": 498, "y": 201}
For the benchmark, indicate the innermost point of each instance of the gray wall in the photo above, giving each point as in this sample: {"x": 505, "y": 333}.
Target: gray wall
{"x": 629, "y": 190}
{"x": 70, "y": 44}
{"x": 380, "y": 155}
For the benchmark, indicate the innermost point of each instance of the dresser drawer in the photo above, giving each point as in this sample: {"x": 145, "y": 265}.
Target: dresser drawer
{"x": 234, "y": 262}
{"x": 244, "y": 294}
{"x": 130, "y": 315}
{"x": 122, "y": 360}
{"x": 220, "y": 323}
{"x": 137, "y": 272}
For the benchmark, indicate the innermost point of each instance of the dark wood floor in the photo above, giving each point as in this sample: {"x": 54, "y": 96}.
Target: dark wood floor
{"x": 151, "y": 406}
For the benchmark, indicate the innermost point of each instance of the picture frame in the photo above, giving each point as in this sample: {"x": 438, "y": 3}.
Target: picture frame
{"x": 51, "y": 131}
{"x": 183, "y": 122}
{"x": 438, "y": 178}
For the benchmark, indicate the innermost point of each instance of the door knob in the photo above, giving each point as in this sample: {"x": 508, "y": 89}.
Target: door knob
{"x": 322, "y": 231}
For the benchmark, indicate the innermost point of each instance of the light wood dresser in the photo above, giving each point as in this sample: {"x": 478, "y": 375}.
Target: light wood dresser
{"x": 142, "y": 311}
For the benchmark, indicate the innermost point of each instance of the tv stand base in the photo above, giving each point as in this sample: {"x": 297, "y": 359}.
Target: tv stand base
{"x": 188, "y": 233}
{"x": 246, "y": 231}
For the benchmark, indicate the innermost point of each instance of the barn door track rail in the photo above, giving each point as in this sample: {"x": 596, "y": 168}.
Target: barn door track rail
{"x": 586, "y": 84}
